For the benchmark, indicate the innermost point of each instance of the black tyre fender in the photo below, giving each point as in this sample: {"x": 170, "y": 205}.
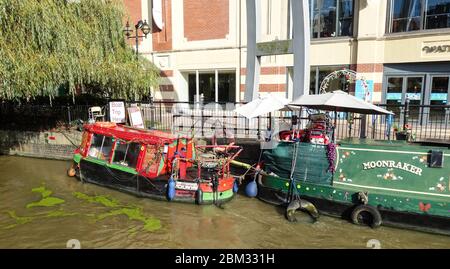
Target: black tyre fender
{"x": 375, "y": 216}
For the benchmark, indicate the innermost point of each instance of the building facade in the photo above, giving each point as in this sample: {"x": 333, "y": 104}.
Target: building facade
{"x": 402, "y": 47}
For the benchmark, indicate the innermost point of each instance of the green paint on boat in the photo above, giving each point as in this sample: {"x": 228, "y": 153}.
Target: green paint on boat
{"x": 208, "y": 196}
{"x": 100, "y": 199}
{"x": 77, "y": 158}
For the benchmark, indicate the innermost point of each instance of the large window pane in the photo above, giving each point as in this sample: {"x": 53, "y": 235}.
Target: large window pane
{"x": 406, "y": 15}
{"x": 126, "y": 154}
{"x": 345, "y": 26}
{"x": 339, "y": 83}
{"x": 414, "y": 95}
{"x": 100, "y": 147}
{"x": 394, "y": 94}
{"x": 207, "y": 86}
{"x": 227, "y": 87}
{"x": 438, "y": 96}
{"x": 331, "y": 18}
{"x": 437, "y": 14}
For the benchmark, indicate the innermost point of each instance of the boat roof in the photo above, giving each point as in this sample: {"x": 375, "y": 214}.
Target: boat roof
{"x": 130, "y": 133}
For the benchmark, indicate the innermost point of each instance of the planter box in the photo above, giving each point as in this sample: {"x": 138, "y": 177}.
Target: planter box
{"x": 402, "y": 136}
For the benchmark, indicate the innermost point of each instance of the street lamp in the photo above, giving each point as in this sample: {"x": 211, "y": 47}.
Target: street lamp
{"x": 143, "y": 26}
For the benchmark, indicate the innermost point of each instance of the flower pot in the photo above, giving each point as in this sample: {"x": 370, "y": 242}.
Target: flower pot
{"x": 402, "y": 136}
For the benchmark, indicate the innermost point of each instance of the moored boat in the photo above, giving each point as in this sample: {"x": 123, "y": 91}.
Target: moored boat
{"x": 154, "y": 164}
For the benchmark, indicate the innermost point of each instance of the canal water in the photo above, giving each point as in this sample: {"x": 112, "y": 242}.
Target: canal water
{"x": 40, "y": 207}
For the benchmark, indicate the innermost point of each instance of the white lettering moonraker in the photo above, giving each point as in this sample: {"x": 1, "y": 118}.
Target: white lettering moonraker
{"x": 392, "y": 164}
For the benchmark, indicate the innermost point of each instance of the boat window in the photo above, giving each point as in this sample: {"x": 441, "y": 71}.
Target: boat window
{"x": 126, "y": 154}
{"x": 152, "y": 158}
{"x": 100, "y": 147}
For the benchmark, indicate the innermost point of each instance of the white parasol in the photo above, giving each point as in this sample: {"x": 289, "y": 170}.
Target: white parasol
{"x": 262, "y": 105}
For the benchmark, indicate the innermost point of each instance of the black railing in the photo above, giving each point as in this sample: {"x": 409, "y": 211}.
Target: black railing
{"x": 426, "y": 122}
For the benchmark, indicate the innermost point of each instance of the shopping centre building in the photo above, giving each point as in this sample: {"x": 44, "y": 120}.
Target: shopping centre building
{"x": 400, "y": 47}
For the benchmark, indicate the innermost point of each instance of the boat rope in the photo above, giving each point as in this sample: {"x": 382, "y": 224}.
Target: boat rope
{"x": 292, "y": 188}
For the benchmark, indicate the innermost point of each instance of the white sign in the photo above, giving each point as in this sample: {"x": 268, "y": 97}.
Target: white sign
{"x": 186, "y": 186}
{"x": 135, "y": 116}
{"x": 117, "y": 112}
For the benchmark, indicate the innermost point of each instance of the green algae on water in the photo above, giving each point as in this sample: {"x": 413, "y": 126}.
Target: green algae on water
{"x": 133, "y": 212}
{"x": 100, "y": 199}
{"x": 19, "y": 220}
{"x": 60, "y": 213}
{"x": 47, "y": 200}
{"x": 150, "y": 223}
{"x": 43, "y": 191}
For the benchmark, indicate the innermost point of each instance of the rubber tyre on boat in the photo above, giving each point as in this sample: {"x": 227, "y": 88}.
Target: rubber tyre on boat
{"x": 366, "y": 215}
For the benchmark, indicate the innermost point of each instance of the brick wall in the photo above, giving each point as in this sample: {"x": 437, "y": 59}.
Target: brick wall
{"x": 133, "y": 9}
{"x": 205, "y": 19}
{"x": 49, "y": 145}
{"x": 162, "y": 39}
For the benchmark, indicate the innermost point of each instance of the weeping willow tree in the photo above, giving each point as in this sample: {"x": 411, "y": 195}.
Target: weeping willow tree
{"x": 49, "y": 44}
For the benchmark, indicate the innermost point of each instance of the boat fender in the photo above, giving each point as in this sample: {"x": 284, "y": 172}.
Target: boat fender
{"x": 375, "y": 217}
{"x": 251, "y": 190}
{"x": 303, "y": 205}
{"x": 199, "y": 196}
{"x": 235, "y": 186}
{"x": 171, "y": 189}
{"x": 71, "y": 172}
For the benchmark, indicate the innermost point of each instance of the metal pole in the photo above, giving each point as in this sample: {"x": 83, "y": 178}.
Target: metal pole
{"x": 137, "y": 43}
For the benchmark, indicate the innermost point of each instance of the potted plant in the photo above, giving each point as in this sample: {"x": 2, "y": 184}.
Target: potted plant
{"x": 403, "y": 134}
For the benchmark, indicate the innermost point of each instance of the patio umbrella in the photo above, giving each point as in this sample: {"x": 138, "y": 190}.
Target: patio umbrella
{"x": 262, "y": 105}
{"x": 338, "y": 101}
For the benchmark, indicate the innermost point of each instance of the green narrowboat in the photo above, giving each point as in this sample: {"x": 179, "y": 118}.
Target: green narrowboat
{"x": 375, "y": 182}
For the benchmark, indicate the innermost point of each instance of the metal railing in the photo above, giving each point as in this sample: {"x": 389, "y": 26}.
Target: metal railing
{"x": 426, "y": 122}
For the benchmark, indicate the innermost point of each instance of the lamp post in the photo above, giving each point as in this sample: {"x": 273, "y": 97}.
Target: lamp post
{"x": 140, "y": 25}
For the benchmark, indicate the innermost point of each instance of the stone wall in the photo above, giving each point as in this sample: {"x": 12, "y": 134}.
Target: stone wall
{"x": 50, "y": 145}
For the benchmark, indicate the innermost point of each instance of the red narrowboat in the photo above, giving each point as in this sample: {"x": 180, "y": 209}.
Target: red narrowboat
{"x": 155, "y": 164}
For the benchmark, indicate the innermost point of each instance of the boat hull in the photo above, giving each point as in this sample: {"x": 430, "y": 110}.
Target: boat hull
{"x": 102, "y": 174}
{"x": 269, "y": 191}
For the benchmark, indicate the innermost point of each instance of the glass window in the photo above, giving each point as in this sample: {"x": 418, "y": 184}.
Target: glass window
{"x": 126, "y": 154}
{"x": 394, "y": 94}
{"x": 207, "y": 86}
{"x": 412, "y": 15}
{"x": 437, "y": 14}
{"x": 101, "y": 147}
{"x": 227, "y": 87}
{"x": 406, "y": 15}
{"x": 331, "y": 18}
{"x": 414, "y": 95}
{"x": 339, "y": 83}
{"x": 438, "y": 96}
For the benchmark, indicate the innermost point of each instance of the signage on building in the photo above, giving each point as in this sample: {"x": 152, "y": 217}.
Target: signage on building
{"x": 117, "y": 111}
{"x": 436, "y": 48}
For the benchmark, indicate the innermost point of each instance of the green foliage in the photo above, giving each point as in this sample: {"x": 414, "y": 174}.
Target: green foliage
{"x": 49, "y": 45}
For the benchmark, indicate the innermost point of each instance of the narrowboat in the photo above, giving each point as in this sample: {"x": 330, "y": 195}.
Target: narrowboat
{"x": 394, "y": 183}
{"x": 155, "y": 164}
